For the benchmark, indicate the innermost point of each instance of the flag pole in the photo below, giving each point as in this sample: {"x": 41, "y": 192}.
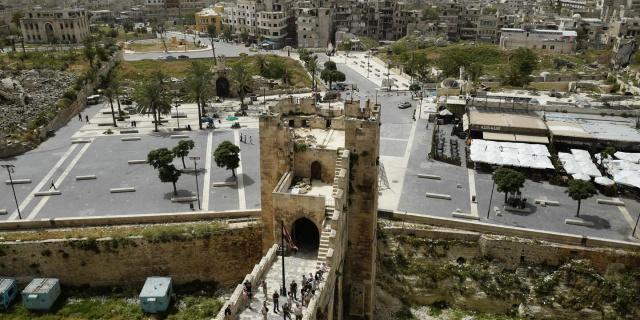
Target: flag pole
{"x": 284, "y": 285}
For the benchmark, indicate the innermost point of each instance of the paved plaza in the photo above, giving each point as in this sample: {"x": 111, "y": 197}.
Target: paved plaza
{"x": 404, "y": 146}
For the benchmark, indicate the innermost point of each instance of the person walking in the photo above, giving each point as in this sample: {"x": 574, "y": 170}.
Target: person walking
{"x": 80, "y": 116}
{"x": 264, "y": 310}
{"x": 250, "y": 140}
{"x": 227, "y": 313}
{"x": 53, "y": 186}
{"x": 135, "y": 124}
{"x": 264, "y": 288}
{"x": 247, "y": 301}
{"x": 304, "y": 280}
{"x": 293, "y": 287}
{"x": 298, "y": 311}
{"x": 286, "y": 309}
{"x": 276, "y": 303}
{"x": 87, "y": 118}
{"x": 241, "y": 137}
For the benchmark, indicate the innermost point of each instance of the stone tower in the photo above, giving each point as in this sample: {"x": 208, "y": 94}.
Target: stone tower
{"x": 319, "y": 178}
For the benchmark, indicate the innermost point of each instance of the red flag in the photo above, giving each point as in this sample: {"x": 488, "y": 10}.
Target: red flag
{"x": 288, "y": 237}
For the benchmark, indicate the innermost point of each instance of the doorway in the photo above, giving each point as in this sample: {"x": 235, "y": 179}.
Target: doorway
{"x": 305, "y": 234}
{"x": 316, "y": 171}
{"x": 222, "y": 87}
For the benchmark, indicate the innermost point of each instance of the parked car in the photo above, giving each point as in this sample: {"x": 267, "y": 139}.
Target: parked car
{"x": 216, "y": 39}
{"x": 253, "y": 49}
{"x": 243, "y": 54}
{"x": 246, "y": 44}
{"x": 170, "y": 58}
{"x": 183, "y": 57}
{"x": 404, "y": 105}
{"x": 161, "y": 58}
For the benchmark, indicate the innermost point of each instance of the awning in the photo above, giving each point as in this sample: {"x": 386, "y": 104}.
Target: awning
{"x": 496, "y": 136}
{"x": 273, "y": 43}
{"x": 465, "y": 122}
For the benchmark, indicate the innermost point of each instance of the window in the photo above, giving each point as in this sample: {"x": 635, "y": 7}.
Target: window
{"x": 552, "y": 47}
{"x": 544, "y": 46}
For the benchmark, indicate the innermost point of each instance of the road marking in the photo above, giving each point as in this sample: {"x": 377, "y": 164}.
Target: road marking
{"x": 472, "y": 191}
{"x": 240, "y": 179}
{"x": 44, "y": 180}
{"x": 64, "y": 174}
{"x": 394, "y": 139}
{"x": 207, "y": 173}
{"x": 625, "y": 213}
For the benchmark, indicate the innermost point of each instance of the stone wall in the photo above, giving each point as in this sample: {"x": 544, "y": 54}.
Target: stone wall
{"x": 291, "y": 207}
{"x": 224, "y": 256}
{"x": 326, "y": 158}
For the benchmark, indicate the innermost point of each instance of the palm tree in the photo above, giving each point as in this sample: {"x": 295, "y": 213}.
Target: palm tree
{"x": 241, "y": 80}
{"x": 162, "y": 78}
{"x": 198, "y": 87}
{"x": 150, "y": 99}
{"x": 261, "y": 62}
{"x": 110, "y": 95}
{"x": 114, "y": 85}
{"x": 312, "y": 67}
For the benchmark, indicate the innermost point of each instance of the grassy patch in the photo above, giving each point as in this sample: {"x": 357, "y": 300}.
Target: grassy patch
{"x": 67, "y": 60}
{"x": 158, "y": 47}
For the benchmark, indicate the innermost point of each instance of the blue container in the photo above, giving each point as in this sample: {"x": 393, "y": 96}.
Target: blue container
{"x": 8, "y": 292}
{"x": 41, "y": 293}
{"x": 156, "y": 294}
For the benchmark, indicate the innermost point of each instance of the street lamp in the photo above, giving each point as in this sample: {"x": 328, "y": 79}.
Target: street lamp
{"x": 368, "y": 65}
{"x": 376, "y": 96}
{"x": 176, "y": 100}
{"x": 493, "y": 187}
{"x": 264, "y": 96}
{"x": 195, "y": 169}
{"x": 634, "y": 228}
{"x": 9, "y": 168}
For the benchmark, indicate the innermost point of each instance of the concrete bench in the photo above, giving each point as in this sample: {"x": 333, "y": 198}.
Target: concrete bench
{"x": 3, "y": 212}
{"x": 611, "y": 202}
{"x": 122, "y": 190}
{"x": 514, "y": 209}
{"x": 80, "y": 141}
{"x": 18, "y": 181}
{"x": 47, "y": 193}
{"x": 184, "y": 199}
{"x": 179, "y": 116}
{"x": 129, "y": 131}
{"x": 161, "y": 121}
{"x": 131, "y": 139}
{"x": 180, "y": 129}
{"x": 105, "y": 124}
{"x": 108, "y": 112}
{"x": 428, "y": 176}
{"x": 458, "y": 214}
{"x": 224, "y": 184}
{"x": 579, "y": 222}
{"x": 137, "y": 161}
{"x": 188, "y": 170}
{"x": 179, "y": 136}
{"x": 543, "y": 202}
{"x": 88, "y": 177}
{"x": 497, "y": 211}
{"x": 438, "y": 196}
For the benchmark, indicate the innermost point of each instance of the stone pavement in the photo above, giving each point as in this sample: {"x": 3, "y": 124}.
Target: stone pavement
{"x": 295, "y": 266}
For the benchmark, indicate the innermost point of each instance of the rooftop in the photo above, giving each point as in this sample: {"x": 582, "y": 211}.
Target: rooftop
{"x": 329, "y": 138}
{"x": 40, "y": 285}
{"x": 317, "y": 188}
{"x": 5, "y": 284}
{"x": 155, "y": 287}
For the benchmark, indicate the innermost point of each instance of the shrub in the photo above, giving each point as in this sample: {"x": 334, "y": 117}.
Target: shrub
{"x": 70, "y": 94}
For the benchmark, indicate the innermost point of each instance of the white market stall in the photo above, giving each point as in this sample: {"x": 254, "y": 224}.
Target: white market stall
{"x": 522, "y": 155}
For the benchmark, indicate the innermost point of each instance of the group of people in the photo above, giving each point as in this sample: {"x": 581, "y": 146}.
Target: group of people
{"x": 245, "y": 139}
{"x": 292, "y": 304}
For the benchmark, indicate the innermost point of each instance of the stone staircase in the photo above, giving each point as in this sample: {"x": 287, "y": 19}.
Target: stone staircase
{"x": 330, "y": 211}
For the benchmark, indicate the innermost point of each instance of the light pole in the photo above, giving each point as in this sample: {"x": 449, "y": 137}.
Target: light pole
{"x": 368, "y": 65}
{"x": 195, "y": 169}
{"x": 493, "y": 187}
{"x": 9, "y": 168}
{"x": 177, "y": 115}
{"x": 376, "y": 96}
{"x": 634, "y": 228}
{"x": 264, "y": 96}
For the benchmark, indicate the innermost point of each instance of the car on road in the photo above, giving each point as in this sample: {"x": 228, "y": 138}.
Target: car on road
{"x": 404, "y": 105}
{"x": 161, "y": 58}
{"x": 216, "y": 39}
{"x": 246, "y": 44}
{"x": 243, "y": 54}
{"x": 253, "y": 49}
{"x": 183, "y": 57}
{"x": 170, "y": 57}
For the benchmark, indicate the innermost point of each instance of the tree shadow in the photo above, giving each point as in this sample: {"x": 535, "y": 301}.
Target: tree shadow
{"x": 598, "y": 222}
{"x": 181, "y": 193}
{"x": 231, "y": 179}
{"x": 247, "y": 181}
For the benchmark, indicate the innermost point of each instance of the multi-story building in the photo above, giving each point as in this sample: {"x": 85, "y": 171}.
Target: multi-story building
{"x": 314, "y": 25}
{"x": 101, "y": 16}
{"x": 214, "y": 16}
{"x": 241, "y": 17}
{"x": 46, "y": 26}
{"x": 449, "y": 20}
{"x": 557, "y": 41}
{"x": 171, "y": 10}
{"x": 276, "y": 21}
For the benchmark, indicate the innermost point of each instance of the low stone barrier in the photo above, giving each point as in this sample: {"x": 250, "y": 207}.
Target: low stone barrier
{"x": 438, "y": 196}
{"x": 546, "y": 202}
{"x": 122, "y": 190}
{"x": 47, "y": 193}
{"x": 137, "y": 162}
{"x": 428, "y": 176}
{"x": 17, "y": 181}
{"x": 577, "y": 222}
{"x": 87, "y": 177}
{"x": 131, "y": 139}
{"x": 184, "y": 199}
{"x": 610, "y": 202}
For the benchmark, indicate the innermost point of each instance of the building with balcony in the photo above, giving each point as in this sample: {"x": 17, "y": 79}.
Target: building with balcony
{"x": 47, "y": 26}
{"x": 314, "y": 26}
{"x": 275, "y": 22}
{"x": 214, "y": 16}
{"x": 242, "y": 17}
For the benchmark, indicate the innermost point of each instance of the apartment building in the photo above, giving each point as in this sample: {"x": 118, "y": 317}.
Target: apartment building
{"x": 314, "y": 26}
{"x": 46, "y": 26}
{"x": 171, "y": 9}
{"x": 242, "y": 17}
{"x": 207, "y": 16}
{"x": 556, "y": 41}
{"x": 276, "y": 21}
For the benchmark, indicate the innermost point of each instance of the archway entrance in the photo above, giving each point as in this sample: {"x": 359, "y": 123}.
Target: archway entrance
{"x": 48, "y": 27}
{"x": 305, "y": 234}
{"x": 316, "y": 170}
{"x": 222, "y": 87}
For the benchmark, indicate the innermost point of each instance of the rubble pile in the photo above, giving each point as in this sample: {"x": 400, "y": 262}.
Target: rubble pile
{"x": 302, "y": 186}
{"x": 25, "y": 93}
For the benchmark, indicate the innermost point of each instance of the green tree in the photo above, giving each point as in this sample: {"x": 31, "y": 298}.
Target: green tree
{"x": 161, "y": 159}
{"x": 211, "y": 31}
{"x": 226, "y": 33}
{"x": 182, "y": 150}
{"x": 127, "y": 25}
{"x": 414, "y": 88}
{"x": 580, "y": 190}
{"x": 170, "y": 174}
{"x": 261, "y": 62}
{"x": 110, "y": 95}
{"x": 475, "y": 70}
{"x": 276, "y": 68}
{"x": 522, "y": 64}
{"x": 114, "y": 85}
{"x": 429, "y": 13}
{"x": 15, "y": 17}
{"x": 89, "y": 50}
{"x": 607, "y": 152}
{"x": 150, "y": 99}
{"x": 198, "y": 87}
{"x": 508, "y": 181}
{"x": 312, "y": 67}
{"x": 161, "y": 78}
{"x": 331, "y": 74}
{"x": 582, "y": 38}
{"x": 190, "y": 18}
{"x": 489, "y": 10}
{"x": 244, "y": 35}
{"x": 241, "y": 80}
{"x": 306, "y": 56}
{"x": 226, "y": 156}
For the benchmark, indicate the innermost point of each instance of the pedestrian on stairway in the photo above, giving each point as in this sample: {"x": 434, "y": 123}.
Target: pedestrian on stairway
{"x": 264, "y": 310}
{"x": 247, "y": 301}
{"x": 227, "y": 313}
{"x": 264, "y": 288}
{"x": 293, "y": 287}
{"x": 87, "y": 117}
{"x": 80, "y": 116}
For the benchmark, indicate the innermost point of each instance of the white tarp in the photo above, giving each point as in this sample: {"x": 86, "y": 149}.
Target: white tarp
{"x": 631, "y": 157}
{"x": 578, "y": 161}
{"x": 603, "y": 181}
{"x": 625, "y": 171}
{"x": 511, "y": 154}
{"x": 581, "y": 176}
